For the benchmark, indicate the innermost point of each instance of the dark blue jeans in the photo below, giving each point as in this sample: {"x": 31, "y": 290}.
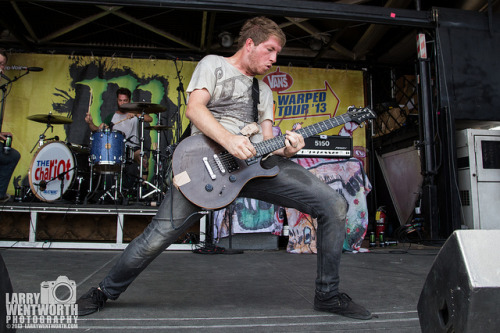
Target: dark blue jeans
{"x": 8, "y": 163}
{"x": 293, "y": 187}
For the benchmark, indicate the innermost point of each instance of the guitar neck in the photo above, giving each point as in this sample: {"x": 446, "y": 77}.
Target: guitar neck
{"x": 268, "y": 146}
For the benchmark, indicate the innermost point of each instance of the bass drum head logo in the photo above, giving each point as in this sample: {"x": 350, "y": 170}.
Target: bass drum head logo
{"x": 52, "y": 166}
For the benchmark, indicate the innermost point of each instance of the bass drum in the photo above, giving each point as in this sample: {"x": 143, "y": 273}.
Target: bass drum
{"x": 60, "y": 170}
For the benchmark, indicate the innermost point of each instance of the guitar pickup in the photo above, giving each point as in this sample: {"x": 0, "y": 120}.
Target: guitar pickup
{"x": 229, "y": 161}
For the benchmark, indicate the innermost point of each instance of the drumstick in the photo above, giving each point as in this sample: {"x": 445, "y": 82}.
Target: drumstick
{"x": 121, "y": 121}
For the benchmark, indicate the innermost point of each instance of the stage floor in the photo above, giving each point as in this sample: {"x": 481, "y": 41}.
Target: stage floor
{"x": 257, "y": 291}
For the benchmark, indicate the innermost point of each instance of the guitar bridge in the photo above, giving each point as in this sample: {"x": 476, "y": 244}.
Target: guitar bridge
{"x": 219, "y": 164}
{"x": 209, "y": 168}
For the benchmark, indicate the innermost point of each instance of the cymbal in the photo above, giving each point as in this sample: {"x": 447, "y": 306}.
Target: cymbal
{"x": 158, "y": 127}
{"x": 49, "y": 119}
{"x": 142, "y": 107}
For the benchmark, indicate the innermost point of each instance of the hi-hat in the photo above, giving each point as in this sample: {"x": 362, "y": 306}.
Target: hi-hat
{"x": 49, "y": 119}
{"x": 158, "y": 127}
{"x": 142, "y": 107}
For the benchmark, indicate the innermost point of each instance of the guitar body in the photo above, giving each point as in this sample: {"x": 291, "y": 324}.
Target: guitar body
{"x": 208, "y": 176}
{"x": 211, "y": 178}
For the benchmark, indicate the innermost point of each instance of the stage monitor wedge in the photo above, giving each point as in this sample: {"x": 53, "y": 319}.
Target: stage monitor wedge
{"x": 462, "y": 290}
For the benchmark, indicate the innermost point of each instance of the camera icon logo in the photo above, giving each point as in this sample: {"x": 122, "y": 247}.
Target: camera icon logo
{"x": 60, "y": 291}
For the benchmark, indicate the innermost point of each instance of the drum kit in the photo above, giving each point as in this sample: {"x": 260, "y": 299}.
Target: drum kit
{"x": 76, "y": 173}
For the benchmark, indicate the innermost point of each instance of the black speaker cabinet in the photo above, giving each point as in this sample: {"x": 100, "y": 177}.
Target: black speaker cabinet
{"x": 462, "y": 291}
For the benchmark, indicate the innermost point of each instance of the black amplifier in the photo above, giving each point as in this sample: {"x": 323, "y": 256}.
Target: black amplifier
{"x": 334, "y": 146}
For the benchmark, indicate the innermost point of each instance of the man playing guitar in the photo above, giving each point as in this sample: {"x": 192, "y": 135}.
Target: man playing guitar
{"x": 221, "y": 106}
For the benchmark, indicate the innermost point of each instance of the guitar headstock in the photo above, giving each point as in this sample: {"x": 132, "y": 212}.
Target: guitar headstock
{"x": 359, "y": 115}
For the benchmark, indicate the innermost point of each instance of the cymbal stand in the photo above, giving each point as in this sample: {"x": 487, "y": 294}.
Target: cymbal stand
{"x": 141, "y": 119}
{"x": 41, "y": 137}
{"x": 157, "y": 166}
{"x": 157, "y": 177}
{"x": 141, "y": 180}
{"x": 156, "y": 184}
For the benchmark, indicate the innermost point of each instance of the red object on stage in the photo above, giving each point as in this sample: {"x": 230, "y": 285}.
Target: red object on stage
{"x": 380, "y": 221}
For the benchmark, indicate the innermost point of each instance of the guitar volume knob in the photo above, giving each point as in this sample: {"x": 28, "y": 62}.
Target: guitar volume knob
{"x": 209, "y": 188}
{"x": 232, "y": 178}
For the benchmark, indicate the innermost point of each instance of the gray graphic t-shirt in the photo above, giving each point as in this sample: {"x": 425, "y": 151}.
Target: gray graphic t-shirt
{"x": 231, "y": 94}
{"x": 127, "y": 127}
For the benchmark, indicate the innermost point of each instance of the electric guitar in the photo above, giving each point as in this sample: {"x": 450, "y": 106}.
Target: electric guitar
{"x": 210, "y": 177}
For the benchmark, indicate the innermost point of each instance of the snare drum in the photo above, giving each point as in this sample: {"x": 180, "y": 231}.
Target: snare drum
{"x": 58, "y": 171}
{"x": 106, "y": 151}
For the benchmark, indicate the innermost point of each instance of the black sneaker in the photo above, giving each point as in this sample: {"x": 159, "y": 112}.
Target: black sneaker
{"x": 91, "y": 302}
{"x": 343, "y": 305}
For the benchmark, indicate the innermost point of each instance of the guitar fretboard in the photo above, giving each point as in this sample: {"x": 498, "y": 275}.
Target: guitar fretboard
{"x": 268, "y": 146}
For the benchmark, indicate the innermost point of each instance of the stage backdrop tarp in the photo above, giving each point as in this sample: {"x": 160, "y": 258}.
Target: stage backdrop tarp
{"x": 71, "y": 86}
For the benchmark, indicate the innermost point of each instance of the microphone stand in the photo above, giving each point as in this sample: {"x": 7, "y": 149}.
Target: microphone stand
{"x": 177, "y": 115}
{"x": 60, "y": 176}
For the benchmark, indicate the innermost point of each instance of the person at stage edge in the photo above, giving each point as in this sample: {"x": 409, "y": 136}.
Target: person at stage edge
{"x": 8, "y": 157}
{"x": 220, "y": 104}
{"x": 125, "y": 122}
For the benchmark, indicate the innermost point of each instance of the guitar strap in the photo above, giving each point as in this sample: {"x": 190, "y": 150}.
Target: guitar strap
{"x": 255, "y": 98}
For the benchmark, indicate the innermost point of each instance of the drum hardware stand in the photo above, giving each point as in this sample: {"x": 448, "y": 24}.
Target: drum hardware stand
{"x": 141, "y": 120}
{"x": 117, "y": 186}
{"x": 157, "y": 177}
{"x": 48, "y": 119}
{"x": 142, "y": 181}
{"x": 108, "y": 192}
{"x": 156, "y": 189}
{"x": 41, "y": 138}
{"x": 141, "y": 108}
{"x": 78, "y": 179}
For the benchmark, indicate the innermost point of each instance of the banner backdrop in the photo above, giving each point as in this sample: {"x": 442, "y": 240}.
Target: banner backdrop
{"x": 71, "y": 86}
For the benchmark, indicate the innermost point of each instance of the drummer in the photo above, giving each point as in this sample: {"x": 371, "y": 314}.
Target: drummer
{"x": 127, "y": 123}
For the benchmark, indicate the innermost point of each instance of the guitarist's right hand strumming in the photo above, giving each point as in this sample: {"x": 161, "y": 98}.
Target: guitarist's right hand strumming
{"x": 240, "y": 147}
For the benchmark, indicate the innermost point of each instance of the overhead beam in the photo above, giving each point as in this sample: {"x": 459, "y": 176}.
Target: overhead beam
{"x": 13, "y": 30}
{"x": 211, "y": 28}
{"x": 375, "y": 32}
{"x": 23, "y": 19}
{"x": 332, "y": 42}
{"x": 69, "y": 28}
{"x": 154, "y": 29}
{"x": 203, "y": 30}
{"x": 309, "y": 28}
{"x": 296, "y": 8}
